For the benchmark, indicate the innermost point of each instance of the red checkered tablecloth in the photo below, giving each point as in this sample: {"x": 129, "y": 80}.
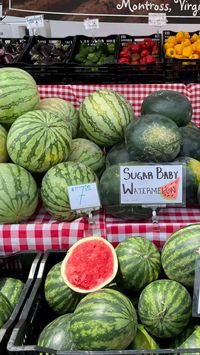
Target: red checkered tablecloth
{"x": 42, "y": 232}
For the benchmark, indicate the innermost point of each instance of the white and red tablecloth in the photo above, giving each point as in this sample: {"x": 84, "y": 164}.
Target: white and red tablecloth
{"x": 42, "y": 232}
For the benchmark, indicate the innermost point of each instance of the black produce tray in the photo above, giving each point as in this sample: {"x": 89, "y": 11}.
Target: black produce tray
{"x": 24, "y": 266}
{"x": 180, "y": 70}
{"x": 140, "y": 73}
{"x": 92, "y": 73}
{"x": 36, "y": 314}
{"x": 7, "y": 41}
{"x": 50, "y": 73}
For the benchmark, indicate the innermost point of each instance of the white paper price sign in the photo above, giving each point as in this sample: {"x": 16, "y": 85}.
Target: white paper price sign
{"x": 91, "y": 24}
{"x": 157, "y": 19}
{"x": 33, "y": 22}
{"x": 152, "y": 184}
{"x": 84, "y": 196}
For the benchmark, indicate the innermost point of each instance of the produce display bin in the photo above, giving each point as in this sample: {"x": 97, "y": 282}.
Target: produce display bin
{"x": 12, "y": 50}
{"x": 180, "y": 70}
{"x": 36, "y": 314}
{"x": 92, "y": 73}
{"x": 24, "y": 266}
{"x": 47, "y": 70}
{"x": 140, "y": 73}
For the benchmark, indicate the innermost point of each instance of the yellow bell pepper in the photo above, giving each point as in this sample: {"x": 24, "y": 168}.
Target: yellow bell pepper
{"x": 168, "y": 45}
{"x": 172, "y": 39}
{"x": 194, "y": 37}
{"x": 186, "y": 43}
{"x": 180, "y": 37}
{"x": 178, "y": 48}
{"x": 194, "y": 56}
{"x": 170, "y": 52}
{"x": 186, "y": 35}
{"x": 178, "y": 56}
{"x": 187, "y": 52}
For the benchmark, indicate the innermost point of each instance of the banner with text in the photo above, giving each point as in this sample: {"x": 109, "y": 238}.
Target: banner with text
{"x": 177, "y": 11}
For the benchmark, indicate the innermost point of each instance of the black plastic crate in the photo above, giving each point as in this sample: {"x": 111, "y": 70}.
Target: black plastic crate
{"x": 14, "y": 49}
{"x": 180, "y": 70}
{"x": 80, "y": 73}
{"x": 36, "y": 314}
{"x": 140, "y": 73}
{"x": 47, "y": 72}
{"x": 24, "y": 266}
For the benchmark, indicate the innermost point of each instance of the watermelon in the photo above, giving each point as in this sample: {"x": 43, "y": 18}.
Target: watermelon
{"x": 109, "y": 190}
{"x": 169, "y": 103}
{"x": 143, "y": 340}
{"x": 11, "y": 289}
{"x": 87, "y": 152}
{"x": 19, "y": 94}
{"x": 56, "y": 335}
{"x": 5, "y": 310}
{"x": 64, "y": 109}
{"x": 117, "y": 154}
{"x": 54, "y": 188}
{"x": 164, "y": 308}
{"x": 18, "y": 194}
{"x": 139, "y": 263}
{"x": 192, "y": 342}
{"x": 38, "y": 140}
{"x": 3, "y": 149}
{"x": 190, "y": 145}
{"x": 192, "y": 178}
{"x": 104, "y": 320}
{"x": 153, "y": 138}
{"x": 64, "y": 301}
{"x": 170, "y": 190}
{"x": 182, "y": 337}
{"x": 179, "y": 254}
{"x": 104, "y": 115}
{"x": 90, "y": 264}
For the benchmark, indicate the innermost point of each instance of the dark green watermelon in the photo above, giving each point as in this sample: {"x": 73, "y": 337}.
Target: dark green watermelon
{"x": 117, "y": 154}
{"x": 190, "y": 145}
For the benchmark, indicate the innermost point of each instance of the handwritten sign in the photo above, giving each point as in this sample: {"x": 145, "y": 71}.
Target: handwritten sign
{"x": 157, "y": 19}
{"x": 152, "y": 184}
{"x": 33, "y": 22}
{"x": 91, "y": 24}
{"x": 84, "y": 196}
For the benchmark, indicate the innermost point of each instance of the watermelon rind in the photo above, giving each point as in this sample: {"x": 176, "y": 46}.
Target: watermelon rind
{"x": 39, "y": 140}
{"x": 143, "y": 340}
{"x": 139, "y": 263}
{"x": 6, "y": 310}
{"x": 18, "y": 194}
{"x": 64, "y": 301}
{"x": 192, "y": 342}
{"x": 164, "y": 308}
{"x": 19, "y": 94}
{"x": 90, "y": 252}
{"x": 11, "y": 289}
{"x": 179, "y": 254}
{"x": 3, "y": 148}
{"x": 56, "y": 335}
{"x": 104, "y": 115}
{"x": 104, "y": 320}
{"x": 64, "y": 109}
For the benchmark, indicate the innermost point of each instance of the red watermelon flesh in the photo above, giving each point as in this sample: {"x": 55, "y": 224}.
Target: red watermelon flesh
{"x": 170, "y": 191}
{"x": 90, "y": 264}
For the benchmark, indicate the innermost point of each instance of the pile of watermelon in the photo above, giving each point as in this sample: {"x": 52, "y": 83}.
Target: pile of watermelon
{"x": 130, "y": 297}
{"x": 47, "y": 145}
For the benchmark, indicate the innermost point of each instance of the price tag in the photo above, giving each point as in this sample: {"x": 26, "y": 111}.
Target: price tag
{"x": 152, "y": 184}
{"x": 84, "y": 196}
{"x": 157, "y": 19}
{"x": 33, "y": 22}
{"x": 91, "y": 24}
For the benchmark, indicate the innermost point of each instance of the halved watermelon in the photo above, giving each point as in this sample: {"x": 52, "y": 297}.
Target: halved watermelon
{"x": 90, "y": 264}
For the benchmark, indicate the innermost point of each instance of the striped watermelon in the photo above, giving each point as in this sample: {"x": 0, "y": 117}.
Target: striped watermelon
{"x": 54, "y": 188}
{"x": 104, "y": 115}
{"x": 38, "y": 140}
{"x": 143, "y": 340}
{"x": 64, "y": 109}
{"x": 104, "y": 320}
{"x": 192, "y": 342}
{"x": 56, "y": 335}
{"x": 5, "y": 310}
{"x": 164, "y": 308}
{"x": 179, "y": 254}
{"x": 18, "y": 194}
{"x": 139, "y": 263}
{"x": 3, "y": 149}
{"x": 19, "y": 94}
{"x": 88, "y": 153}
{"x": 60, "y": 298}
{"x": 11, "y": 289}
